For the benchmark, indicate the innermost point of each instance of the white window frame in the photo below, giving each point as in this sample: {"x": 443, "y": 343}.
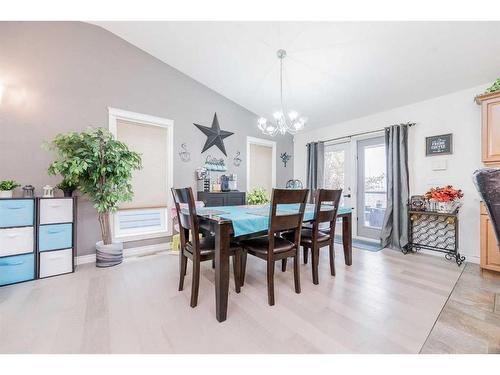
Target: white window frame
{"x": 114, "y": 115}
{"x": 261, "y": 142}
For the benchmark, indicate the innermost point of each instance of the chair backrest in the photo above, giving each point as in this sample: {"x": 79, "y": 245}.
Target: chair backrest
{"x": 188, "y": 220}
{"x": 286, "y": 218}
{"x": 326, "y": 205}
{"x": 487, "y": 182}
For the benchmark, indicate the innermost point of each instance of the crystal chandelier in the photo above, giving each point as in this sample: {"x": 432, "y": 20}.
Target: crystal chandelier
{"x": 284, "y": 122}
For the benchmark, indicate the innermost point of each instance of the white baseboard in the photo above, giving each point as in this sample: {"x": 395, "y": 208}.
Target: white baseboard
{"x": 129, "y": 253}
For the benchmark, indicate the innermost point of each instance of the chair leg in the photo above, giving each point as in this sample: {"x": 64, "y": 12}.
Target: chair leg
{"x": 315, "y": 263}
{"x": 182, "y": 269}
{"x": 296, "y": 272}
{"x": 283, "y": 265}
{"x": 195, "y": 282}
{"x": 243, "y": 267}
{"x": 237, "y": 270}
{"x": 306, "y": 251}
{"x": 270, "y": 283}
{"x": 332, "y": 259}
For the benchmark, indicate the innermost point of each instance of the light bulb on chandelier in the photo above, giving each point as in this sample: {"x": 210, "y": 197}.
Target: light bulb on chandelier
{"x": 292, "y": 123}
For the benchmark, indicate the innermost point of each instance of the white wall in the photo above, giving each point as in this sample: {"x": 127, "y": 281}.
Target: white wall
{"x": 455, "y": 113}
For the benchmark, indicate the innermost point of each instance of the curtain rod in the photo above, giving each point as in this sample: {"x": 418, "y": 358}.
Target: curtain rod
{"x": 410, "y": 124}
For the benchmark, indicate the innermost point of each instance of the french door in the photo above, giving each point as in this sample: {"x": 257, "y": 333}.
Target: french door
{"x": 371, "y": 187}
{"x": 337, "y": 170}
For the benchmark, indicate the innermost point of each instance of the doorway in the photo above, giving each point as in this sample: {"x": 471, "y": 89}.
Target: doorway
{"x": 261, "y": 164}
{"x": 371, "y": 187}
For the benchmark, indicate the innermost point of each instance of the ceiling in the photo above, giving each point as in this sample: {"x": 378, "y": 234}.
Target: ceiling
{"x": 334, "y": 71}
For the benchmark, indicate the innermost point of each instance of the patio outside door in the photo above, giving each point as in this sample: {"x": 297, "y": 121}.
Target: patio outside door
{"x": 371, "y": 187}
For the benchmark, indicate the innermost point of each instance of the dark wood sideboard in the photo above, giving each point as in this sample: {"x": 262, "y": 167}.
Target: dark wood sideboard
{"x": 230, "y": 198}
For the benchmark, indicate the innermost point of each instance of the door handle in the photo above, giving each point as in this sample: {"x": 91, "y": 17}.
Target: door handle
{"x": 347, "y": 195}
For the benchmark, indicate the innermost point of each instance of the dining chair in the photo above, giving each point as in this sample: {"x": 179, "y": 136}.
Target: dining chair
{"x": 196, "y": 248}
{"x": 273, "y": 247}
{"x": 487, "y": 181}
{"x": 322, "y": 232}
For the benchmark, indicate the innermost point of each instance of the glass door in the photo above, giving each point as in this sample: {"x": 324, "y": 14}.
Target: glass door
{"x": 371, "y": 187}
{"x": 337, "y": 170}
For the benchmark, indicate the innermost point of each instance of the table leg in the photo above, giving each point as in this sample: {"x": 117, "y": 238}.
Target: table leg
{"x": 222, "y": 239}
{"x": 347, "y": 238}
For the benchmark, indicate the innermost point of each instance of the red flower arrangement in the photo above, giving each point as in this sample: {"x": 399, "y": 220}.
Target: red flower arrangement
{"x": 444, "y": 194}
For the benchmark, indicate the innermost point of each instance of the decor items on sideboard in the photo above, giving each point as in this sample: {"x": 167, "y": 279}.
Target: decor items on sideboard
{"x": 439, "y": 145}
{"x": 7, "y": 188}
{"x": 285, "y": 158}
{"x": 215, "y": 136}
{"x": 103, "y": 176}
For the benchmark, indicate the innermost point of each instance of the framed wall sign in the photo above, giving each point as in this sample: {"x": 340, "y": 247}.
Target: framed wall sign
{"x": 439, "y": 145}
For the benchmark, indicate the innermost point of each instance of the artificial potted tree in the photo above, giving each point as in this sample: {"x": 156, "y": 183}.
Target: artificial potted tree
{"x": 7, "y": 188}
{"x": 101, "y": 168}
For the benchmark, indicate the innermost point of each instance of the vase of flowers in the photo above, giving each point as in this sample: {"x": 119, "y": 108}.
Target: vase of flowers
{"x": 443, "y": 199}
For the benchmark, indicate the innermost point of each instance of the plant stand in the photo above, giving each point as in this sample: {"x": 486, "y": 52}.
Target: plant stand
{"x": 435, "y": 231}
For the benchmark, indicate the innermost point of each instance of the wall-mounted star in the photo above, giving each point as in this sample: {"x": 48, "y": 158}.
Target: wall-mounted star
{"x": 214, "y": 135}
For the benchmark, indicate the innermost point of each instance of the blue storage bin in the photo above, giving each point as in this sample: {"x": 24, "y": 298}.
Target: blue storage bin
{"x": 17, "y": 268}
{"x": 55, "y": 236}
{"x": 16, "y": 212}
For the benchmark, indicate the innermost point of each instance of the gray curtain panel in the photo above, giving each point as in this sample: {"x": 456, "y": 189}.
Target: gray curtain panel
{"x": 395, "y": 228}
{"x": 315, "y": 167}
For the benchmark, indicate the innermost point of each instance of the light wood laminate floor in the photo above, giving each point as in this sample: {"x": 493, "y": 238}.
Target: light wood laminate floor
{"x": 385, "y": 302}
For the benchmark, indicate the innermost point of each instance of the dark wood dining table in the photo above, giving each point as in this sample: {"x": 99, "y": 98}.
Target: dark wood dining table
{"x": 223, "y": 230}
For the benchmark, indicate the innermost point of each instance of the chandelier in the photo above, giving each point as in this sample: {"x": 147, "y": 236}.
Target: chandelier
{"x": 284, "y": 122}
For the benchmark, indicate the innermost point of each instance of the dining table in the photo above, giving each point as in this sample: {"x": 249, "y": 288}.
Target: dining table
{"x": 230, "y": 223}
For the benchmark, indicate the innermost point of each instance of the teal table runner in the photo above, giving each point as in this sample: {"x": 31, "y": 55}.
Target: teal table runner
{"x": 253, "y": 219}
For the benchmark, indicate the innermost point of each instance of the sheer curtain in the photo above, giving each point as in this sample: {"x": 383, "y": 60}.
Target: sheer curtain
{"x": 315, "y": 167}
{"x": 395, "y": 227}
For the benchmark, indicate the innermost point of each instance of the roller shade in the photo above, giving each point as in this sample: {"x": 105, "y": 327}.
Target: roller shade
{"x": 149, "y": 183}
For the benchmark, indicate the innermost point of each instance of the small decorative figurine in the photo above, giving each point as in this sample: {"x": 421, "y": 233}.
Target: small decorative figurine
{"x": 28, "y": 191}
{"x": 284, "y": 158}
{"x": 237, "y": 160}
{"x": 185, "y": 155}
{"x": 48, "y": 191}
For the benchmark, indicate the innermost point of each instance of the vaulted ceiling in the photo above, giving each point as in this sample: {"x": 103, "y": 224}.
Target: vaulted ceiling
{"x": 334, "y": 71}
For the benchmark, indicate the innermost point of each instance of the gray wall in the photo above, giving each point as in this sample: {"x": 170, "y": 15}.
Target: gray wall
{"x": 72, "y": 72}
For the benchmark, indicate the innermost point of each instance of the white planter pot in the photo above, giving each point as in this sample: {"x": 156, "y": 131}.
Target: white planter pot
{"x": 6, "y": 193}
{"x": 109, "y": 255}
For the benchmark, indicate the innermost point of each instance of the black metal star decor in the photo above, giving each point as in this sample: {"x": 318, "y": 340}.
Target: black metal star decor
{"x": 214, "y": 135}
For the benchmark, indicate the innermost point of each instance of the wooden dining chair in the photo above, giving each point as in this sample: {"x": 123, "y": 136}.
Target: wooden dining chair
{"x": 273, "y": 247}
{"x": 195, "y": 248}
{"x": 326, "y": 204}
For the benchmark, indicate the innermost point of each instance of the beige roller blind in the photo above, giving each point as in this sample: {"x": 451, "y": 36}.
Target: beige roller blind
{"x": 149, "y": 183}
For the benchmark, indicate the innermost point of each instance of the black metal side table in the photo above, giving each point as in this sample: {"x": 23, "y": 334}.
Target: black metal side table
{"x": 435, "y": 231}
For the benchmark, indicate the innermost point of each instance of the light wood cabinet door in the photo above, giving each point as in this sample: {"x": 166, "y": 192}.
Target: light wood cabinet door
{"x": 490, "y": 253}
{"x": 490, "y": 104}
